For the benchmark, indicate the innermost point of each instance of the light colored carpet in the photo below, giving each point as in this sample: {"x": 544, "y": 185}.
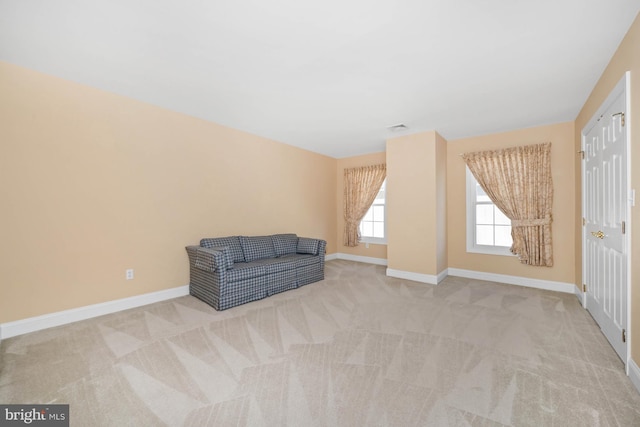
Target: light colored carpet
{"x": 358, "y": 349}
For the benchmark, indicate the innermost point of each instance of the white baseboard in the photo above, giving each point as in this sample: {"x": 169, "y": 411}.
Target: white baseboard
{"x": 330, "y": 257}
{"x": 359, "y": 258}
{"x": 515, "y": 280}
{"x": 634, "y": 374}
{"x": 24, "y": 326}
{"x": 579, "y": 295}
{"x": 442, "y": 275}
{"x": 416, "y": 277}
{"x": 493, "y": 277}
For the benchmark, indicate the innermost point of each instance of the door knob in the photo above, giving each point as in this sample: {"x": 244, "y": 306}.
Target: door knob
{"x": 599, "y": 234}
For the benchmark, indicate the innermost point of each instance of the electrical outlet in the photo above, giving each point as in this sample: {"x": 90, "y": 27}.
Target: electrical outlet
{"x": 366, "y": 245}
{"x": 129, "y": 274}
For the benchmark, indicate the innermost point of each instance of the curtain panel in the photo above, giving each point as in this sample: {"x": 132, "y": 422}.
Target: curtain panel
{"x": 361, "y": 185}
{"x": 518, "y": 181}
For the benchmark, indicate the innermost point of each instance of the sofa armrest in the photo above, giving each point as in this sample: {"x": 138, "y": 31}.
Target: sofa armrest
{"x": 322, "y": 247}
{"x": 208, "y": 259}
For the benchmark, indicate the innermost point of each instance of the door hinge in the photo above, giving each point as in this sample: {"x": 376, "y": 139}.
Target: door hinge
{"x": 581, "y": 154}
{"x": 584, "y": 287}
{"x": 621, "y": 114}
{"x": 624, "y": 335}
{"x": 584, "y": 221}
{"x": 624, "y": 227}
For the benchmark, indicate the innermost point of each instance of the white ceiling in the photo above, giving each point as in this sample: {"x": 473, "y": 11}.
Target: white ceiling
{"x": 330, "y": 75}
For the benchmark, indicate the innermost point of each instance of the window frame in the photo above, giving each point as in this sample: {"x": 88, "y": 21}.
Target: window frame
{"x": 377, "y": 240}
{"x": 472, "y": 246}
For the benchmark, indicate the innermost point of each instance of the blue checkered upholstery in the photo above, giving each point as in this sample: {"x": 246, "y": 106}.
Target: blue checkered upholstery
{"x": 220, "y": 280}
{"x": 282, "y": 281}
{"x": 284, "y": 244}
{"x": 233, "y": 294}
{"x": 301, "y": 260}
{"x": 232, "y": 242}
{"x": 309, "y": 269}
{"x": 307, "y": 246}
{"x": 210, "y": 260}
{"x": 226, "y": 252}
{"x": 309, "y": 274}
{"x": 279, "y": 266}
{"x": 244, "y": 271}
{"x": 258, "y": 247}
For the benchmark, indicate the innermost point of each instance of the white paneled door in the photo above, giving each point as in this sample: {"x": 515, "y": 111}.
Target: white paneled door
{"x": 605, "y": 206}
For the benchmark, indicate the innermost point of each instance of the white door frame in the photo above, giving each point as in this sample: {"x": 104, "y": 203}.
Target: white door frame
{"x": 623, "y": 86}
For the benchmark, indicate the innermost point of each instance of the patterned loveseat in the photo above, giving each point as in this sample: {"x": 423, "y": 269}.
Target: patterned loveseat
{"x": 229, "y": 271}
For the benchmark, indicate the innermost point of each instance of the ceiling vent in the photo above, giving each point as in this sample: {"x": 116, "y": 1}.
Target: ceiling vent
{"x": 397, "y": 128}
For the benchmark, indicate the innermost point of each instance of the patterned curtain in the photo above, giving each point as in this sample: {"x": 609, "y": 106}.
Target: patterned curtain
{"x": 518, "y": 181}
{"x": 361, "y": 185}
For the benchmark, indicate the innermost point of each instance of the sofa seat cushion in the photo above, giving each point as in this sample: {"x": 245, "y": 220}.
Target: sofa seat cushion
{"x": 301, "y": 260}
{"x": 232, "y": 242}
{"x": 276, "y": 265}
{"x": 244, "y": 271}
{"x": 285, "y": 244}
{"x": 258, "y": 247}
{"x": 261, "y": 267}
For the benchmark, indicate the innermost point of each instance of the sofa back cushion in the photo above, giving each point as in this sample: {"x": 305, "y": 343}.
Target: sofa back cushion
{"x": 232, "y": 242}
{"x": 257, "y": 247}
{"x": 284, "y": 244}
{"x": 307, "y": 246}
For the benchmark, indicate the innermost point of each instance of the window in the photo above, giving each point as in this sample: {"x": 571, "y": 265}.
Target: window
{"x": 372, "y": 228}
{"x": 488, "y": 229}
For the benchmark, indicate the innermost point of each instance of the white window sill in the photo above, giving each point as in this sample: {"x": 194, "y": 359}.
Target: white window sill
{"x": 373, "y": 240}
{"x": 490, "y": 250}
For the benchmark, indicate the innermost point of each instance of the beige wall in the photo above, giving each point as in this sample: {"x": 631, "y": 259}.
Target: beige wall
{"x": 94, "y": 183}
{"x": 563, "y": 171}
{"x": 374, "y": 251}
{"x": 626, "y": 58}
{"x": 442, "y": 235}
{"x": 412, "y": 202}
